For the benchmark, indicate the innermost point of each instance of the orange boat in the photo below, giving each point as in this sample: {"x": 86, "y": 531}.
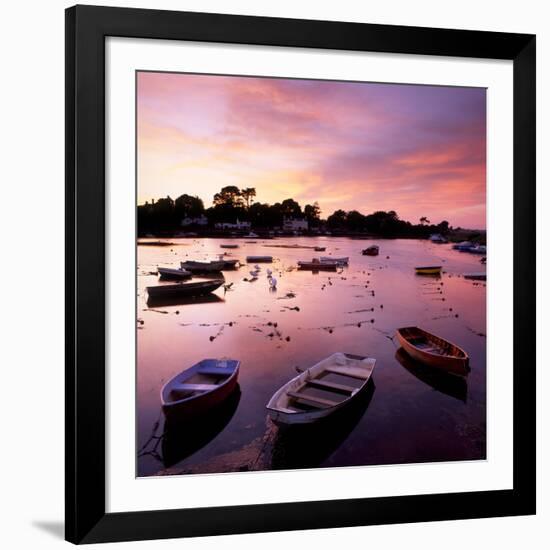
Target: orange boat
{"x": 433, "y": 350}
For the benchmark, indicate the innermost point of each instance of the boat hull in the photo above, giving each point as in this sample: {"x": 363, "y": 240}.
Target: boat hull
{"x": 338, "y": 261}
{"x": 452, "y": 364}
{"x": 432, "y": 270}
{"x": 318, "y": 266}
{"x": 283, "y": 419}
{"x": 198, "y": 406}
{"x": 260, "y": 259}
{"x": 173, "y": 274}
{"x": 371, "y": 252}
{"x": 184, "y": 290}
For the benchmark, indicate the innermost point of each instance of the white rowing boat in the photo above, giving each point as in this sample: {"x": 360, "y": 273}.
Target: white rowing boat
{"x": 321, "y": 390}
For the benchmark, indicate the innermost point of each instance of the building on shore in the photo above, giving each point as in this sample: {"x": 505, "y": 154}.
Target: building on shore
{"x": 201, "y": 220}
{"x": 295, "y": 224}
{"x": 241, "y": 226}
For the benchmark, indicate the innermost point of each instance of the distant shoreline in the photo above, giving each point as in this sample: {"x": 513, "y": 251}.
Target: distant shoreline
{"x": 477, "y": 236}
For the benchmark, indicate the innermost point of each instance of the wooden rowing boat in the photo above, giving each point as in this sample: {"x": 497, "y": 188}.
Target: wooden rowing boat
{"x": 185, "y": 289}
{"x": 229, "y": 246}
{"x": 170, "y": 273}
{"x": 321, "y": 390}
{"x": 428, "y": 270}
{"x": 199, "y": 388}
{"x": 317, "y": 265}
{"x": 433, "y": 350}
{"x": 371, "y": 250}
{"x": 319, "y": 248}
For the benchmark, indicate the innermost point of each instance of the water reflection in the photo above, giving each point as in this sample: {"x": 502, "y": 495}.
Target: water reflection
{"x": 182, "y": 439}
{"x": 309, "y": 445}
{"x": 444, "y": 382}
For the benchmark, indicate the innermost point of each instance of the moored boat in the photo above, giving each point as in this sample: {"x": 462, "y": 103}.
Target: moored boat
{"x": 319, "y": 248}
{"x": 480, "y": 249}
{"x": 208, "y": 267}
{"x": 171, "y": 273}
{"x": 260, "y": 259}
{"x": 464, "y": 246}
{"x": 438, "y": 238}
{"x": 428, "y": 270}
{"x": 371, "y": 250}
{"x": 155, "y": 243}
{"x": 476, "y": 276}
{"x": 316, "y": 265}
{"x": 344, "y": 260}
{"x": 321, "y": 390}
{"x": 199, "y": 388}
{"x": 433, "y": 350}
{"x": 199, "y": 288}
{"x": 229, "y": 246}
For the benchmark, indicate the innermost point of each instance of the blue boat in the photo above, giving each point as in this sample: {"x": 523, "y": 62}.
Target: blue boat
{"x": 199, "y": 388}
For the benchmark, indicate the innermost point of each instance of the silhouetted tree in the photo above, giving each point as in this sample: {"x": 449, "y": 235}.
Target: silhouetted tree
{"x": 312, "y": 213}
{"x": 248, "y": 194}
{"x": 337, "y": 219}
{"x": 355, "y": 221}
{"x": 188, "y": 206}
{"x": 291, "y": 209}
{"x": 229, "y": 196}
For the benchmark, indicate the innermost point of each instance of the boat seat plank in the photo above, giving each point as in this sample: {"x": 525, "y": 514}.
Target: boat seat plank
{"x": 346, "y": 371}
{"x": 324, "y": 384}
{"x": 316, "y": 401}
{"x": 221, "y": 371}
{"x": 195, "y": 387}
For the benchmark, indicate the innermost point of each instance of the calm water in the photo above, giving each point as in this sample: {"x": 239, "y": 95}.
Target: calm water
{"x": 409, "y": 414}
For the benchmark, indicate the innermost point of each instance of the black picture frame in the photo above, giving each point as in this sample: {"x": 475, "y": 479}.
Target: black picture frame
{"x": 86, "y": 30}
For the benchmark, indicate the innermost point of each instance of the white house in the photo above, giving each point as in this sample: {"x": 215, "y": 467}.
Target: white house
{"x": 201, "y": 220}
{"x": 237, "y": 225}
{"x": 292, "y": 224}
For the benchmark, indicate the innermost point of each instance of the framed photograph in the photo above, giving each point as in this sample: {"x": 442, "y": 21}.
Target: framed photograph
{"x": 300, "y": 274}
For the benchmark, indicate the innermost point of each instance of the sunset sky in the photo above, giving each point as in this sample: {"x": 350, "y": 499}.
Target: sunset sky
{"x": 418, "y": 150}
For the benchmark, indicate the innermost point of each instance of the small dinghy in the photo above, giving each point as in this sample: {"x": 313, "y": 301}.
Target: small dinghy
{"x": 476, "y": 276}
{"x": 428, "y": 270}
{"x": 208, "y": 267}
{"x": 317, "y": 265}
{"x": 480, "y": 249}
{"x": 338, "y": 261}
{"x": 321, "y": 390}
{"x": 184, "y": 289}
{"x": 170, "y": 273}
{"x": 433, "y": 350}
{"x": 260, "y": 259}
{"x": 371, "y": 250}
{"x": 199, "y": 388}
{"x": 319, "y": 248}
{"x": 229, "y": 246}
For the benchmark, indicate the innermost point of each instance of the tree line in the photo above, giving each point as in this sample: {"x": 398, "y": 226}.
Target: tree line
{"x": 231, "y": 204}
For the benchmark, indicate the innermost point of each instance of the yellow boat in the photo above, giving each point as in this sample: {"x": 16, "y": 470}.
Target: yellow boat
{"x": 428, "y": 270}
